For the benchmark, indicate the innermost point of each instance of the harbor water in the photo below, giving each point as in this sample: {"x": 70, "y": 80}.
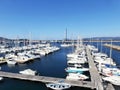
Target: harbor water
{"x": 52, "y": 65}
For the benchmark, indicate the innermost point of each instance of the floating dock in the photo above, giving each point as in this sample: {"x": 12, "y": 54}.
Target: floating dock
{"x": 110, "y": 87}
{"x": 44, "y": 79}
{"x": 95, "y": 77}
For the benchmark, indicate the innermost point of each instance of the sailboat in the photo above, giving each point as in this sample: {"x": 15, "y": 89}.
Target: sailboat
{"x": 110, "y": 68}
{"x": 64, "y": 44}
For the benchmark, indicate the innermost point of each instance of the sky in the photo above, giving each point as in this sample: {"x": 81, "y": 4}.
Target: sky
{"x": 48, "y": 19}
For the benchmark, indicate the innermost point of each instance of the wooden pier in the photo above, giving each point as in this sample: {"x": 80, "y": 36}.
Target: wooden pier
{"x": 110, "y": 87}
{"x": 95, "y": 77}
{"x": 86, "y": 84}
{"x": 116, "y": 47}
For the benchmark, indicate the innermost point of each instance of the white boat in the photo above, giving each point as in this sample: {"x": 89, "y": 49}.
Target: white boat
{"x": 72, "y": 55}
{"x": 21, "y": 59}
{"x": 76, "y": 61}
{"x": 92, "y": 48}
{"x": 76, "y": 69}
{"x": 110, "y": 70}
{"x": 28, "y": 72}
{"x": 74, "y": 65}
{"x": 113, "y": 79}
{"x": 11, "y": 61}
{"x": 58, "y": 86}
{"x": 76, "y": 76}
{"x": 102, "y": 55}
{"x": 1, "y": 78}
{"x": 66, "y": 45}
{"x": 42, "y": 52}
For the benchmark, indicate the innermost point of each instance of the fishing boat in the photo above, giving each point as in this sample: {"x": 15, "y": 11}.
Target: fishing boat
{"x": 58, "y": 86}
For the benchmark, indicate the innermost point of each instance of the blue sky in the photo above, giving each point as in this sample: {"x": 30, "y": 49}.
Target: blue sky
{"x": 48, "y": 19}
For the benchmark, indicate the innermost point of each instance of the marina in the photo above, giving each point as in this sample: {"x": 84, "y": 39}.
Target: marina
{"x": 95, "y": 82}
{"x": 59, "y": 45}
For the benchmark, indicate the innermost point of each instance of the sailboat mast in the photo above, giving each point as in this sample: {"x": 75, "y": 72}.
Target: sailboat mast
{"x": 111, "y": 50}
{"x": 66, "y": 34}
{"x": 30, "y": 41}
{"x": 97, "y": 42}
{"x": 101, "y": 46}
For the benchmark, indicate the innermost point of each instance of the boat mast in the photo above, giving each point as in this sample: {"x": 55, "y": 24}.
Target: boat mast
{"x": 66, "y": 35}
{"x": 30, "y": 40}
{"x": 111, "y": 54}
{"x": 101, "y": 46}
{"x": 111, "y": 50}
{"x": 17, "y": 42}
{"x": 97, "y": 42}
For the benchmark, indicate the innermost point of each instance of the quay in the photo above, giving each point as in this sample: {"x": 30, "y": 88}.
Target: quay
{"x": 116, "y": 47}
{"x": 86, "y": 84}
